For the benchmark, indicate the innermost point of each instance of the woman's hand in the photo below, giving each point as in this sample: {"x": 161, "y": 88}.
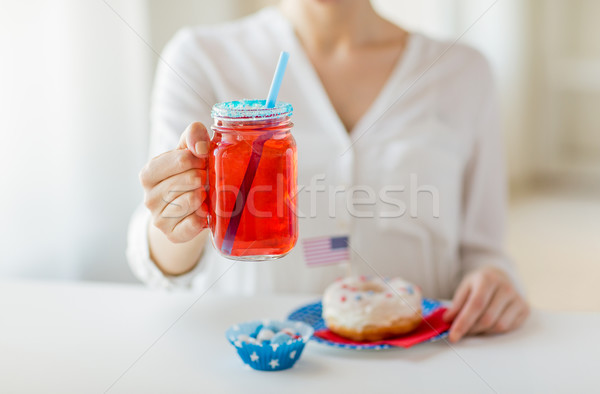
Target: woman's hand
{"x": 485, "y": 302}
{"x": 175, "y": 186}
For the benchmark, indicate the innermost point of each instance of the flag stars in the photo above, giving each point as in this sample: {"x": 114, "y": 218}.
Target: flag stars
{"x": 254, "y": 357}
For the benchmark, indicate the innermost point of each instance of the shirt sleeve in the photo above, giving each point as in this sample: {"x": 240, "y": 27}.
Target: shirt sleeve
{"x": 181, "y": 95}
{"x": 485, "y": 191}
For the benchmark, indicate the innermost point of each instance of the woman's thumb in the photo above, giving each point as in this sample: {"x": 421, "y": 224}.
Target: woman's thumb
{"x": 196, "y": 139}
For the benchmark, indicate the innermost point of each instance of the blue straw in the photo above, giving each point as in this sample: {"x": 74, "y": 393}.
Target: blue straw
{"x": 257, "y": 149}
{"x": 276, "y": 84}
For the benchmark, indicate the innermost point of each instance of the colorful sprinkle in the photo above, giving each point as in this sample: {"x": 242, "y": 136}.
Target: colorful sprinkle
{"x": 370, "y": 292}
{"x": 343, "y": 298}
{"x": 410, "y": 290}
{"x": 388, "y": 295}
{"x": 288, "y": 331}
{"x": 363, "y": 278}
{"x": 353, "y": 289}
{"x": 358, "y": 297}
{"x": 344, "y": 286}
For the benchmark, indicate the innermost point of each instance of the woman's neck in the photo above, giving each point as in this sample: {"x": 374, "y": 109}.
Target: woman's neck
{"x": 328, "y": 25}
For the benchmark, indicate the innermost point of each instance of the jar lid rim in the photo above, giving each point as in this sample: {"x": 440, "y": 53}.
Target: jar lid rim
{"x": 250, "y": 109}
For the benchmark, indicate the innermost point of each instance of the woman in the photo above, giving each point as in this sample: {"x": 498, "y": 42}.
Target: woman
{"x": 375, "y": 108}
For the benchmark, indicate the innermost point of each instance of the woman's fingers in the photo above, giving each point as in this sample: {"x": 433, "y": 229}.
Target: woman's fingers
{"x": 188, "y": 228}
{"x": 169, "y": 164}
{"x": 192, "y": 152}
{"x": 184, "y": 205}
{"x": 175, "y": 199}
{"x": 500, "y": 300}
{"x": 175, "y": 186}
{"x": 510, "y": 317}
{"x": 477, "y": 301}
{"x": 522, "y": 316}
{"x": 203, "y": 210}
{"x": 460, "y": 297}
{"x": 492, "y": 304}
{"x": 177, "y": 211}
{"x": 171, "y": 188}
{"x": 195, "y": 138}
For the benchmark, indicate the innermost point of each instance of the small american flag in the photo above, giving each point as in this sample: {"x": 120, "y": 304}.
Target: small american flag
{"x": 325, "y": 250}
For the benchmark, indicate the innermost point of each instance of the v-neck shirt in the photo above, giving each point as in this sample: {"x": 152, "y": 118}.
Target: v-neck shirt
{"x": 319, "y": 93}
{"x": 424, "y": 163}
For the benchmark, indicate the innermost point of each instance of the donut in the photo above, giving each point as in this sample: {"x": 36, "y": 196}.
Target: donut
{"x": 370, "y": 309}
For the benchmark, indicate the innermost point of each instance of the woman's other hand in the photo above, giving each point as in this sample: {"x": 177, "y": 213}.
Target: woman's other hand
{"x": 486, "y": 301}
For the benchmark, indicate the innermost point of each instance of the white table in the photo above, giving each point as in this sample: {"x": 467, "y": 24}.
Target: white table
{"x": 81, "y": 337}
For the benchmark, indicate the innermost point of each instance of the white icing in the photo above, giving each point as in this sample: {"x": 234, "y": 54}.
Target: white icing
{"x": 358, "y": 301}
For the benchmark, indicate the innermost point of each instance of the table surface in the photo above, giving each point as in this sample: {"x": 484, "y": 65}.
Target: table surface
{"x": 89, "y": 337}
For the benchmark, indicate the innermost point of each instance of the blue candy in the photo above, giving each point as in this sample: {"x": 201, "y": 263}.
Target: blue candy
{"x": 280, "y": 338}
{"x": 255, "y": 333}
{"x": 272, "y": 327}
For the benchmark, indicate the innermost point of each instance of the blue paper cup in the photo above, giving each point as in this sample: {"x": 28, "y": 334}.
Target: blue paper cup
{"x": 267, "y": 356}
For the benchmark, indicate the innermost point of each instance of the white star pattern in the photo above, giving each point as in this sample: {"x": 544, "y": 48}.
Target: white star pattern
{"x": 293, "y": 354}
{"x": 274, "y": 346}
{"x": 254, "y": 357}
{"x": 238, "y": 343}
{"x": 274, "y": 363}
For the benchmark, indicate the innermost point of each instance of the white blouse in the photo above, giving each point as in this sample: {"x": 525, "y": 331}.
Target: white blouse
{"x": 424, "y": 164}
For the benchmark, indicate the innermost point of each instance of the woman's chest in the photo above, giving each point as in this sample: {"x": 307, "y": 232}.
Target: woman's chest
{"x": 413, "y": 162}
{"x": 353, "y": 82}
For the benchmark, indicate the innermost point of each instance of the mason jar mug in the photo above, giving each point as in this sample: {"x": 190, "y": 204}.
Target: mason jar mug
{"x": 252, "y": 179}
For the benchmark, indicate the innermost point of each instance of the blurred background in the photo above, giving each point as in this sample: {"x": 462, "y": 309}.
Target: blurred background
{"x": 75, "y": 81}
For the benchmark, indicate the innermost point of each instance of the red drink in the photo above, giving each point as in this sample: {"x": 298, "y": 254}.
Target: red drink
{"x": 252, "y": 179}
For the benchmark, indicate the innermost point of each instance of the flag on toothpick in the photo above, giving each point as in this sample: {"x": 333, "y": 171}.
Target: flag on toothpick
{"x": 325, "y": 250}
